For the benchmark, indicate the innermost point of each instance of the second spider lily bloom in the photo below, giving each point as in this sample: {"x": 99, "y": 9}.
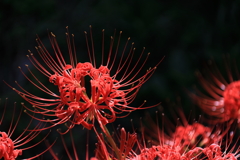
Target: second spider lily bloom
{"x": 182, "y": 132}
{"x": 229, "y": 149}
{"x": 186, "y": 142}
{"x": 10, "y": 148}
{"x": 191, "y": 140}
{"x": 131, "y": 148}
{"x": 214, "y": 152}
{"x": 113, "y": 84}
{"x": 222, "y": 100}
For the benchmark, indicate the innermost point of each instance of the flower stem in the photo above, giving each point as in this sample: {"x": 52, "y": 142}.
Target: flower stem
{"x": 112, "y": 143}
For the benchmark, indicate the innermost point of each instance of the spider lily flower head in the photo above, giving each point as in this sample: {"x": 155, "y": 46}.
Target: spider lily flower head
{"x": 214, "y": 152}
{"x": 110, "y": 93}
{"x": 131, "y": 148}
{"x": 222, "y": 99}
{"x": 12, "y": 148}
{"x": 186, "y": 142}
{"x": 187, "y": 147}
{"x": 180, "y": 131}
{"x": 7, "y": 147}
{"x": 182, "y": 139}
{"x": 228, "y": 149}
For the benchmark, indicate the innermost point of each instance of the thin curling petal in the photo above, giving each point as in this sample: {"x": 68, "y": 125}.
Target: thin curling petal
{"x": 86, "y": 92}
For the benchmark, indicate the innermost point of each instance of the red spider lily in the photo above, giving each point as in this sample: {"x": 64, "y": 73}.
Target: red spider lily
{"x": 111, "y": 93}
{"x": 190, "y": 141}
{"x": 223, "y": 99}
{"x": 227, "y": 150}
{"x": 188, "y": 135}
{"x": 183, "y": 144}
{"x": 214, "y": 152}
{"x": 10, "y": 148}
{"x": 130, "y": 148}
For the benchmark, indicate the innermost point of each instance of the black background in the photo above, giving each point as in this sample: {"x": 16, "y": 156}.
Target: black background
{"x": 187, "y": 33}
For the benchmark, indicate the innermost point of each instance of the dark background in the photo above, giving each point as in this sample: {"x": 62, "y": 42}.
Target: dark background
{"x": 187, "y": 33}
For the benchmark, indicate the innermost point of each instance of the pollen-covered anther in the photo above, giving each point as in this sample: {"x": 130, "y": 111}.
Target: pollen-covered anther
{"x": 53, "y": 34}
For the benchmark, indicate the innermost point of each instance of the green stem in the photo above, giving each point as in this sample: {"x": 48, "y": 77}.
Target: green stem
{"x": 112, "y": 143}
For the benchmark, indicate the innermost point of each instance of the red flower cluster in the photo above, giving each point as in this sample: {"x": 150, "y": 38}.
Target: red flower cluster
{"x": 87, "y": 93}
{"x": 104, "y": 94}
{"x": 7, "y": 148}
{"x": 186, "y": 143}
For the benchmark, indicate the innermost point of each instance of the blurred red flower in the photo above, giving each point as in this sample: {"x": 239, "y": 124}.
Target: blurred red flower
{"x": 222, "y": 98}
{"x": 188, "y": 142}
